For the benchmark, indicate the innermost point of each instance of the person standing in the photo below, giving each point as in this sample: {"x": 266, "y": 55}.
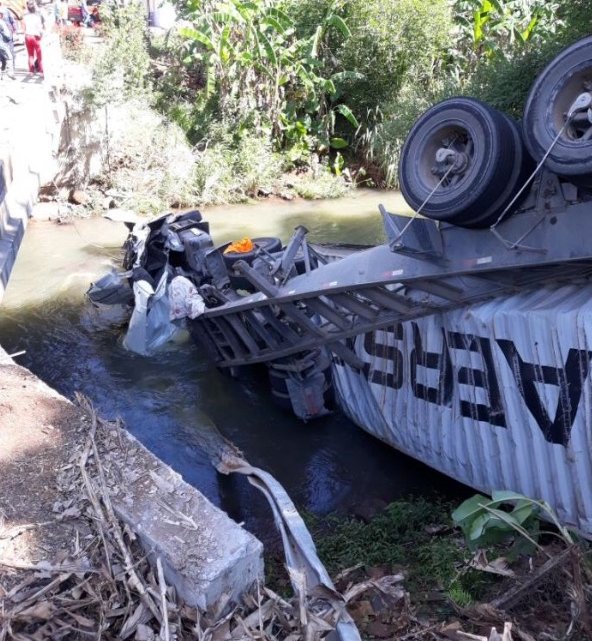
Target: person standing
{"x": 84, "y": 14}
{"x": 5, "y": 53}
{"x": 57, "y": 12}
{"x": 64, "y": 11}
{"x": 33, "y": 28}
{"x": 7, "y": 17}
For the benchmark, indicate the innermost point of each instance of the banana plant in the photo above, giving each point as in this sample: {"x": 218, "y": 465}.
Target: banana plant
{"x": 494, "y": 27}
{"x": 256, "y": 67}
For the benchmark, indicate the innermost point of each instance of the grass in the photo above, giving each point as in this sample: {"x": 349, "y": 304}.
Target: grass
{"x": 398, "y": 538}
{"x": 414, "y": 536}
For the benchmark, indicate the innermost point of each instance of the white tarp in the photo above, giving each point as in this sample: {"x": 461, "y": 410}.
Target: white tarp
{"x": 498, "y": 395}
{"x": 150, "y": 326}
{"x": 308, "y": 575}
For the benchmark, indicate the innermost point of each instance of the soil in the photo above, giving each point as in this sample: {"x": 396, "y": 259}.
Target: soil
{"x": 38, "y": 430}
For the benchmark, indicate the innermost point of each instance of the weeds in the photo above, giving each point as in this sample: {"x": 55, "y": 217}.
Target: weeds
{"x": 319, "y": 184}
{"x": 405, "y": 535}
{"x": 72, "y": 43}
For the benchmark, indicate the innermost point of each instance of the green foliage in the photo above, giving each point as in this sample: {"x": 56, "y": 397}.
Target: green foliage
{"x": 497, "y": 49}
{"x": 148, "y": 160}
{"x": 232, "y": 169}
{"x": 121, "y": 71}
{"x": 323, "y": 182}
{"x": 339, "y": 80}
{"x": 503, "y": 80}
{"x": 260, "y": 75}
{"x": 398, "y": 536}
{"x": 484, "y": 522}
{"x": 393, "y": 42}
{"x": 499, "y": 28}
{"x": 459, "y": 596}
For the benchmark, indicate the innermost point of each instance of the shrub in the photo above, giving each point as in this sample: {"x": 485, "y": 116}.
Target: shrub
{"x": 233, "y": 168}
{"x": 72, "y": 42}
{"x": 393, "y": 42}
{"x": 147, "y": 160}
{"x": 121, "y": 71}
{"x": 504, "y": 80}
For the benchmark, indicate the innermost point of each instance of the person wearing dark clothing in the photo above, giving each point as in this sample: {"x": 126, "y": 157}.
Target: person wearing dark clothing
{"x": 5, "y": 53}
{"x": 8, "y": 18}
{"x": 84, "y": 14}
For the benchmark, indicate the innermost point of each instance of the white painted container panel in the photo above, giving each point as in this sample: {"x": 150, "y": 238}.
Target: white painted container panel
{"x": 497, "y": 395}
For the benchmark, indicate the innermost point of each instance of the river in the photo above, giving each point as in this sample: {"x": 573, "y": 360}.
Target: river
{"x": 326, "y": 465}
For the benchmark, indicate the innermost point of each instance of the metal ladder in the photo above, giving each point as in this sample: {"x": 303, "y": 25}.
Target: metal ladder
{"x": 428, "y": 269}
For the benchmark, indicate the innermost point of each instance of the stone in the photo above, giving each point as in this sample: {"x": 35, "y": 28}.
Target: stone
{"x": 46, "y": 211}
{"x": 109, "y": 203}
{"x": 368, "y": 510}
{"x": 205, "y": 554}
{"x": 451, "y": 630}
{"x": 79, "y": 197}
{"x": 361, "y": 610}
{"x": 284, "y": 195}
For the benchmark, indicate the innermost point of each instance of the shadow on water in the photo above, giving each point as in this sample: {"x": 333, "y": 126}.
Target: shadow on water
{"x": 167, "y": 399}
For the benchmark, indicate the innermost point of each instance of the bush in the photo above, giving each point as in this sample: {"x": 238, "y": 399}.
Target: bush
{"x": 147, "y": 160}
{"x": 72, "y": 42}
{"x": 121, "y": 71}
{"x": 499, "y": 71}
{"x": 504, "y": 80}
{"x": 394, "y": 42}
{"x": 232, "y": 169}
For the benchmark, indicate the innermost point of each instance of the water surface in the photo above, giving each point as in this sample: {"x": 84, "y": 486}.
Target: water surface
{"x": 167, "y": 399}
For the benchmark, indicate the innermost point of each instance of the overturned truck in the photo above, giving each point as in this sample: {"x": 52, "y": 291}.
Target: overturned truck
{"x": 465, "y": 341}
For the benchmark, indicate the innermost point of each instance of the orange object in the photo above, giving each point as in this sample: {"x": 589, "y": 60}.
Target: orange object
{"x": 241, "y": 246}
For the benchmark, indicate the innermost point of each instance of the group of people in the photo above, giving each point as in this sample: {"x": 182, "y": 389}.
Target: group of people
{"x": 33, "y": 26}
{"x": 60, "y": 11}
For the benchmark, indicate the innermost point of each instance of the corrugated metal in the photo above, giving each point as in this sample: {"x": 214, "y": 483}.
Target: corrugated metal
{"x": 498, "y": 395}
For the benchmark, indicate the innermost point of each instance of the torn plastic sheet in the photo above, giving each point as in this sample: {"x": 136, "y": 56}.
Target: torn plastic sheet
{"x": 307, "y": 395}
{"x": 150, "y": 326}
{"x": 308, "y": 575}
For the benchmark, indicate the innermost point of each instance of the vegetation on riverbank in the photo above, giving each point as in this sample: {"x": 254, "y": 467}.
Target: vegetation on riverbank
{"x": 340, "y": 81}
{"x": 502, "y": 564}
{"x": 310, "y": 97}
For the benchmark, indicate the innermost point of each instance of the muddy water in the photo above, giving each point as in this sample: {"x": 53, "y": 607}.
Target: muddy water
{"x": 167, "y": 399}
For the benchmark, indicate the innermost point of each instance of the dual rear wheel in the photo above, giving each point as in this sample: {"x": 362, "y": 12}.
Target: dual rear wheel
{"x": 464, "y": 162}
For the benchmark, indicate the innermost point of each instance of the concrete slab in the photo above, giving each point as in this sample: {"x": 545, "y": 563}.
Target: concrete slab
{"x": 29, "y": 136}
{"x": 205, "y": 554}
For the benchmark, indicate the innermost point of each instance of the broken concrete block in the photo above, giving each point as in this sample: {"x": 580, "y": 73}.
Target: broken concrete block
{"x": 205, "y": 554}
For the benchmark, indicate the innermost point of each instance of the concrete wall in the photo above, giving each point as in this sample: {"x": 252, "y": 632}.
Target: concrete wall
{"x": 29, "y": 138}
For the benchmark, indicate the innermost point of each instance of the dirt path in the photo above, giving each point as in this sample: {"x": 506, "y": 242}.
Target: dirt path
{"x": 38, "y": 430}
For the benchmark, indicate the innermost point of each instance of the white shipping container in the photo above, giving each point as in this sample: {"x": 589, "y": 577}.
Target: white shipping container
{"x": 497, "y": 395}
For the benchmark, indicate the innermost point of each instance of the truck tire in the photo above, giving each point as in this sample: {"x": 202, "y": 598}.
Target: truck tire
{"x": 566, "y": 77}
{"x": 269, "y": 244}
{"x": 482, "y": 151}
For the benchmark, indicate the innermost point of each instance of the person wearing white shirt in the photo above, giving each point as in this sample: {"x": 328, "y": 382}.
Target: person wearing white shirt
{"x": 33, "y": 28}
